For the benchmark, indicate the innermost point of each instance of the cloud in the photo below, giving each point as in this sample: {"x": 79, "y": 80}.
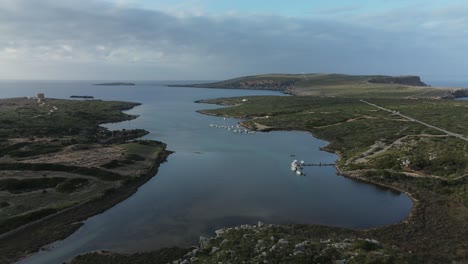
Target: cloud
{"x": 335, "y": 10}
{"x": 112, "y": 40}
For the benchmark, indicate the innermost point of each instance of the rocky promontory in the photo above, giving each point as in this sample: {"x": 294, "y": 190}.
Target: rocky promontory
{"x": 457, "y": 93}
{"x": 404, "y": 80}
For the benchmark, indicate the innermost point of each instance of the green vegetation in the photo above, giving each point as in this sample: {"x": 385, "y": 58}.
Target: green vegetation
{"x": 55, "y": 156}
{"x": 24, "y": 149}
{"x": 129, "y": 160}
{"x": 29, "y": 185}
{"x": 22, "y": 117}
{"x": 95, "y": 172}
{"x": 363, "y": 136}
{"x": 72, "y": 185}
{"x": 165, "y": 255}
{"x": 275, "y": 244}
{"x": 17, "y": 221}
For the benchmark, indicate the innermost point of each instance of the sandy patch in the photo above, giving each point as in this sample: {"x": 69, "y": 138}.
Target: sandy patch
{"x": 83, "y": 158}
{"x": 261, "y": 127}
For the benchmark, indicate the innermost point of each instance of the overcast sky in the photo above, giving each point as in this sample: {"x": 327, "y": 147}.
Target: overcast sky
{"x": 217, "y": 39}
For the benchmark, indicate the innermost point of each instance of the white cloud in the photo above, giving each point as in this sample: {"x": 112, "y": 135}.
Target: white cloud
{"x": 91, "y": 38}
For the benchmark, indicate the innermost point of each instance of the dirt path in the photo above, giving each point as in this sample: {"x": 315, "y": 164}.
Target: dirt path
{"x": 371, "y": 151}
{"x": 430, "y": 90}
{"x": 346, "y": 121}
{"x": 418, "y": 121}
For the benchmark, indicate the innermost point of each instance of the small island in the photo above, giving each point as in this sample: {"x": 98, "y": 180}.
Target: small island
{"x": 82, "y": 96}
{"x": 116, "y": 84}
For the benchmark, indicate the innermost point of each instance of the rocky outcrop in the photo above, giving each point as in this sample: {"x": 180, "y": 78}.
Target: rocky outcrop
{"x": 262, "y": 243}
{"x": 458, "y": 93}
{"x": 404, "y": 80}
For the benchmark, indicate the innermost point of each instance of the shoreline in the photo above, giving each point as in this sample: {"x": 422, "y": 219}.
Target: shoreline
{"x": 26, "y": 240}
{"x": 74, "y": 217}
{"x": 340, "y": 172}
{"x": 433, "y": 217}
{"x": 323, "y": 232}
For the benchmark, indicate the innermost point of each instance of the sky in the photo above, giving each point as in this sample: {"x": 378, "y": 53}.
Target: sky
{"x": 218, "y": 39}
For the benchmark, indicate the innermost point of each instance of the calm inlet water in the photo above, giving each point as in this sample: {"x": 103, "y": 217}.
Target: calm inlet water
{"x": 215, "y": 178}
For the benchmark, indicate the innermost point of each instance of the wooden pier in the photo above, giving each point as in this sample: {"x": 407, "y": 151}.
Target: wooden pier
{"x": 318, "y": 164}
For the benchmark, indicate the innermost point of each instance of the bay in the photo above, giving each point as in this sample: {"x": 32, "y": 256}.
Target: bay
{"x": 215, "y": 178}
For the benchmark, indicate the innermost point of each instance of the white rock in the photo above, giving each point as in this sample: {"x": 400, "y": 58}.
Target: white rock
{"x": 214, "y": 250}
{"x": 372, "y": 241}
{"x": 297, "y": 252}
{"x": 219, "y": 232}
{"x": 203, "y": 241}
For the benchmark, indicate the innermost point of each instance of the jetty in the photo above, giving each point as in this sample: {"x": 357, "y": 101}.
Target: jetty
{"x": 320, "y": 164}
{"x": 297, "y": 167}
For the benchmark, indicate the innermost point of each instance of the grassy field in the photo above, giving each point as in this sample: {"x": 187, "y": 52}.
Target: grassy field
{"x": 22, "y": 117}
{"x": 56, "y": 162}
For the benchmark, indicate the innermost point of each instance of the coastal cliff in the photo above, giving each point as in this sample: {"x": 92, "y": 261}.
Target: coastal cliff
{"x": 404, "y": 80}
{"x": 332, "y": 85}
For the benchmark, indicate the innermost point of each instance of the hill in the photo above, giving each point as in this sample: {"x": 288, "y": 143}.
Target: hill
{"x": 336, "y": 85}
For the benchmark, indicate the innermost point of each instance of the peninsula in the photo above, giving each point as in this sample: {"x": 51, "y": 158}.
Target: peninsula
{"x": 337, "y": 85}
{"x": 58, "y": 167}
